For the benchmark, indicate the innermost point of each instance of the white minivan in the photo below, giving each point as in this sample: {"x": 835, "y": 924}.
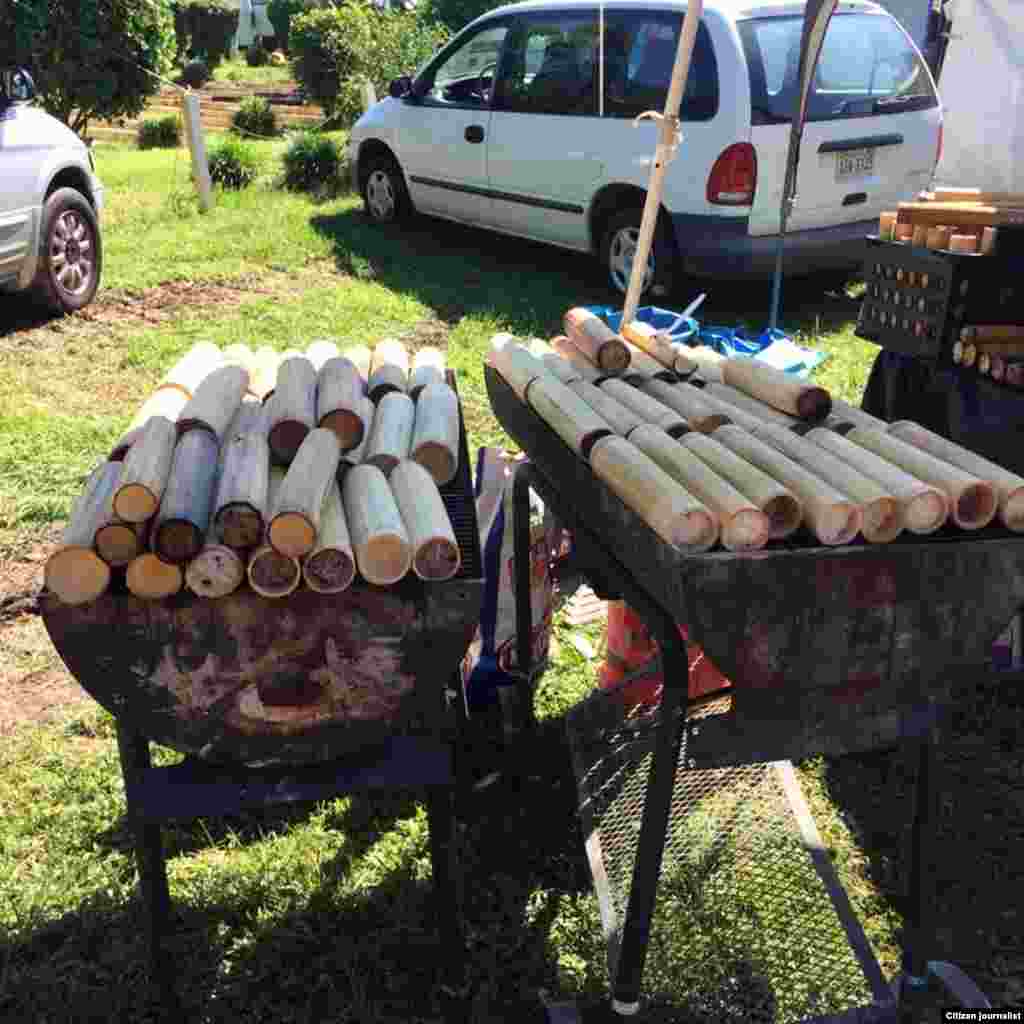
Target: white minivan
{"x": 524, "y": 124}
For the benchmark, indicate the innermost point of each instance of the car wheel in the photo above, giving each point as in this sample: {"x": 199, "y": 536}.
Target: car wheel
{"x": 70, "y": 252}
{"x": 385, "y": 197}
{"x": 618, "y": 246}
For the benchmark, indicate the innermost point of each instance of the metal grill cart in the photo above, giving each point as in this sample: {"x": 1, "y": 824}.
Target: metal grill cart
{"x": 831, "y": 651}
{"x": 297, "y": 699}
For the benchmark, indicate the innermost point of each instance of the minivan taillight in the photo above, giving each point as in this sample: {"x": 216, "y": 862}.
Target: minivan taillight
{"x": 938, "y": 148}
{"x": 733, "y": 178}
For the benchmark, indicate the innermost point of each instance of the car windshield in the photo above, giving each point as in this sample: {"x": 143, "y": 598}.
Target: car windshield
{"x": 867, "y": 67}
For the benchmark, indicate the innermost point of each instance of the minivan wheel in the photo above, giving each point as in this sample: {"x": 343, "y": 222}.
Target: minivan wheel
{"x": 70, "y": 253}
{"x": 385, "y": 197}
{"x": 618, "y": 246}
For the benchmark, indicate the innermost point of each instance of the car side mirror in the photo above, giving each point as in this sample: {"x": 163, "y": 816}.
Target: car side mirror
{"x": 18, "y": 86}
{"x": 400, "y": 87}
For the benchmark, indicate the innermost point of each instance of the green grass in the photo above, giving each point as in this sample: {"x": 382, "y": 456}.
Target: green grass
{"x": 237, "y": 72}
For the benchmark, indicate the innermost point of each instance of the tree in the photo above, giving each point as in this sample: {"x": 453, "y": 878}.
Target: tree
{"x": 456, "y": 14}
{"x": 89, "y": 58}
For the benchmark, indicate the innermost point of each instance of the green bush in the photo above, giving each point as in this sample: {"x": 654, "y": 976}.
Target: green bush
{"x": 195, "y": 74}
{"x": 312, "y": 163}
{"x": 233, "y": 164}
{"x": 255, "y": 116}
{"x": 160, "y": 133}
{"x": 281, "y": 13}
{"x": 337, "y": 49}
{"x": 205, "y": 29}
{"x": 256, "y": 55}
{"x": 456, "y": 14}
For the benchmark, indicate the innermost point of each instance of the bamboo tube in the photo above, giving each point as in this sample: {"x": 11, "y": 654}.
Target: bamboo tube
{"x": 886, "y": 223}
{"x": 984, "y": 363}
{"x": 986, "y": 333}
{"x": 291, "y": 414}
{"x": 881, "y": 513}
{"x": 165, "y": 403}
{"x": 215, "y": 402}
{"x": 192, "y": 368}
{"x": 241, "y": 495}
{"x": 379, "y": 537}
{"x": 240, "y": 355}
{"x": 1009, "y": 486}
{"x": 709, "y": 362}
{"x": 558, "y": 367}
{"x": 963, "y": 243}
{"x": 657, "y": 346}
{"x": 117, "y": 542}
{"x": 146, "y": 467}
{"x": 217, "y": 570}
{"x": 515, "y": 364}
{"x": 619, "y": 417}
{"x": 965, "y": 215}
{"x": 294, "y": 520}
{"x": 989, "y": 237}
{"x": 361, "y": 357}
{"x": 391, "y": 432}
{"x": 643, "y": 367}
{"x": 731, "y": 413}
{"x": 248, "y": 419}
{"x": 567, "y": 414}
{"x": 435, "y": 551}
{"x": 977, "y": 195}
{"x": 330, "y": 566}
{"x": 1013, "y": 374}
{"x": 671, "y": 511}
{"x": 596, "y": 340}
{"x": 903, "y": 233}
{"x": 938, "y": 237}
{"x": 970, "y": 355}
{"x": 576, "y": 359}
{"x": 435, "y": 434}
{"x": 74, "y": 572}
{"x": 184, "y": 515}
{"x": 845, "y": 413}
{"x": 649, "y": 409}
{"x": 270, "y": 573}
{"x": 920, "y": 235}
{"x": 741, "y": 526}
{"x": 741, "y": 400}
{"x": 830, "y": 514}
{"x": 339, "y": 401}
{"x": 389, "y": 369}
{"x": 688, "y": 402}
{"x": 153, "y": 579}
{"x": 998, "y": 367}
{"x": 263, "y": 374}
{"x": 428, "y": 367}
{"x": 354, "y": 456}
{"x": 781, "y": 391}
{"x": 318, "y": 352}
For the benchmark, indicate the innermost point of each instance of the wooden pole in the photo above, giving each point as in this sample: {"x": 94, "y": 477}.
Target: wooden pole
{"x": 197, "y": 147}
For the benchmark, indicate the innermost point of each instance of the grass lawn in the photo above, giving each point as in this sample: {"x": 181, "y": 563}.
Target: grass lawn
{"x": 319, "y": 913}
{"x": 237, "y": 72}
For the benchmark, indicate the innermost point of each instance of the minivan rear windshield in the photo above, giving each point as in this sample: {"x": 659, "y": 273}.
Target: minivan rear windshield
{"x": 867, "y": 67}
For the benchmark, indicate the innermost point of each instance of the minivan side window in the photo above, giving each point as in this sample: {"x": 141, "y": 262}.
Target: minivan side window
{"x": 550, "y": 65}
{"x": 639, "y": 53}
{"x": 465, "y": 77}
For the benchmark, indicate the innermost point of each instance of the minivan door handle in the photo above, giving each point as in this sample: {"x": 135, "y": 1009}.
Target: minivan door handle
{"x": 845, "y": 145}
{"x": 475, "y": 133}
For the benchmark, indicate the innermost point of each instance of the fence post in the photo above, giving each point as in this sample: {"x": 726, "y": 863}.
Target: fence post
{"x": 197, "y": 146}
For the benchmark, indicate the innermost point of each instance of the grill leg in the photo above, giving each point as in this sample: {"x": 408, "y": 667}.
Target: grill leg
{"x": 445, "y": 868}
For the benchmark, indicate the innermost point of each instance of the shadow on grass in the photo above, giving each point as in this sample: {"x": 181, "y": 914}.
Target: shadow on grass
{"x": 20, "y": 312}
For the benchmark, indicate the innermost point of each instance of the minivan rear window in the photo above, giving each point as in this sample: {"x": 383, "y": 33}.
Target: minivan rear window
{"x": 867, "y": 67}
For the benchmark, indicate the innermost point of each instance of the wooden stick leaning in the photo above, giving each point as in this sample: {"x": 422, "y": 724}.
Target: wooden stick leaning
{"x": 428, "y": 367}
{"x": 146, "y": 467}
{"x": 263, "y": 373}
{"x": 379, "y": 537}
{"x": 1009, "y": 487}
{"x": 688, "y": 402}
{"x": 558, "y": 367}
{"x": 339, "y": 401}
{"x": 435, "y": 551}
{"x": 576, "y": 359}
{"x": 331, "y": 566}
{"x": 391, "y": 431}
{"x": 215, "y": 402}
{"x": 567, "y": 414}
{"x": 318, "y": 352}
{"x": 741, "y": 525}
{"x": 192, "y": 368}
{"x": 291, "y": 412}
{"x": 649, "y": 409}
{"x": 671, "y": 511}
{"x": 165, "y": 403}
{"x": 74, "y": 572}
{"x": 596, "y": 340}
{"x": 781, "y": 391}
{"x": 830, "y": 514}
{"x": 972, "y": 502}
{"x": 657, "y": 346}
{"x": 389, "y": 369}
{"x": 619, "y": 417}
{"x": 270, "y": 573}
{"x": 183, "y": 518}
{"x": 241, "y": 498}
{"x": 435, "y": 433}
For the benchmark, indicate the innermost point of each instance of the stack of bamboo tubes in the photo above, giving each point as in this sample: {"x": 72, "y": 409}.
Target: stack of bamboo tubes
{"x": 273, "y": 468}
{"x": 755, "y": 456}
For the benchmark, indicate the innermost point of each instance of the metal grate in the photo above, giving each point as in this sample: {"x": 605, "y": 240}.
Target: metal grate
{"x": 460, "y": 504}
{"x": 744, "y": 929}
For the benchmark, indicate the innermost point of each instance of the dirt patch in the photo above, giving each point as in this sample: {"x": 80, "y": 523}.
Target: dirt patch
{"x": 427, "y": 332}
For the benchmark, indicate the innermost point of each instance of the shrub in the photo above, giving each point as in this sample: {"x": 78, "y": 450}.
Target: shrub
{"x": 312, "y": 163}
{"x": 256, "y": 55}
{"x": 256, "y": 117}
{"x": 205, "y": 28}
{"x": 456, "y": 14}
{"x": 335, "y": 49}
{"x": 160, "y": 133}
{"x": 281, "y": 12}
{"x": 195, "y": 74}
{"x": 233, "y": 164}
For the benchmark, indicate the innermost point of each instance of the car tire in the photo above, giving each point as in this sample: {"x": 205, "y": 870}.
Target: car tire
{"x": 385, "y": 197}
{"x": 622, "y": 229}
{"x": 70, "y": 253}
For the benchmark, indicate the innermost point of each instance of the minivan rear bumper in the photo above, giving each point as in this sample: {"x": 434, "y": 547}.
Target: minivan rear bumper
{"x": 722, "y": 247}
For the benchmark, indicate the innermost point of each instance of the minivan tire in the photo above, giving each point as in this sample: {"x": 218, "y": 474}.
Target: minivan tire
{"x": 70, "y": 253}
{"x": 385, "y": 197}
{"x": 663, "y": 252}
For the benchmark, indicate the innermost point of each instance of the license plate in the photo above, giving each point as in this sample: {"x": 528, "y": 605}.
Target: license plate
{"x": 854, "y": 163}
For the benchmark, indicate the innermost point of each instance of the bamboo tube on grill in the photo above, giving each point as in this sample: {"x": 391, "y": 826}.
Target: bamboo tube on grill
{"x": 215, "y": 402}
{"x": 435, "y": 551}
{"x": 428, "y": 367}
{"x": 737, "y": 489}
{"x": 153, "y": 579}
{"x": 970, "y": 355}
{"x": 985, "y": 334}
{"x": 596, "y": 340}
{"x": 998, "y": 367}
{"x": 1009, "y": 486}
{"x": 241, "y": 495}
{"x": 379, "y": 537}
{"x": 248, "y": 419}
{"x": 781, "y": 391}
{"x": 354, "y": 456}
{"x": 963, "y": 243}
{"x": 731, "y": 413}
{"x": 318, "y": 352}
{"x": 117, "y": 542}
{"x": 391, "y": 432}
{"x": 270, "y": 573}
{"x": 361, "y": 357}
{"x": 291, "y": 414}
{"x": 741, "y": 526}
{"x": 845, "y": 413}
{"x": 389, "y": 369}
{"x": 989, "y": 237}
{"x": 263, "y": 373}
{"x": 649, "y": 409}
{"x": 657, "y": 346}
{"x": 644, "y": 367}
{"x": 830, "y": 514}
{"x": 619, "y": 417}
{"x": 984, "y": 363}
{"x": 339, "y": 402}
{"x": 741, "y": 400}
{"x": 567, "y": 414}
{"x": 972, "y": 502}
{"x": 576, "y": 359}
{"x": 938, "y": 237}
{"x": 74, "y": 572}
{"x": 184, "y": 514}
{"x": 192, "y": 368}
{"x": 558, "y": 367}
{"x": 240, "y": 355}
{"x": 294, "y": 520}
{"x": 517, "y": 367}
{"x": 671, "y": 511}
{"x": 146, "y": 467}
{"x": 218, "y": 570}
{"x": 709, "y": 362}
{"x": 330, "y": 567}
{"x": 688, "y": 402}
{"x": 435, "y": 433}
{"x": 165, "y": 403}
{"x": 882, "y": 514}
